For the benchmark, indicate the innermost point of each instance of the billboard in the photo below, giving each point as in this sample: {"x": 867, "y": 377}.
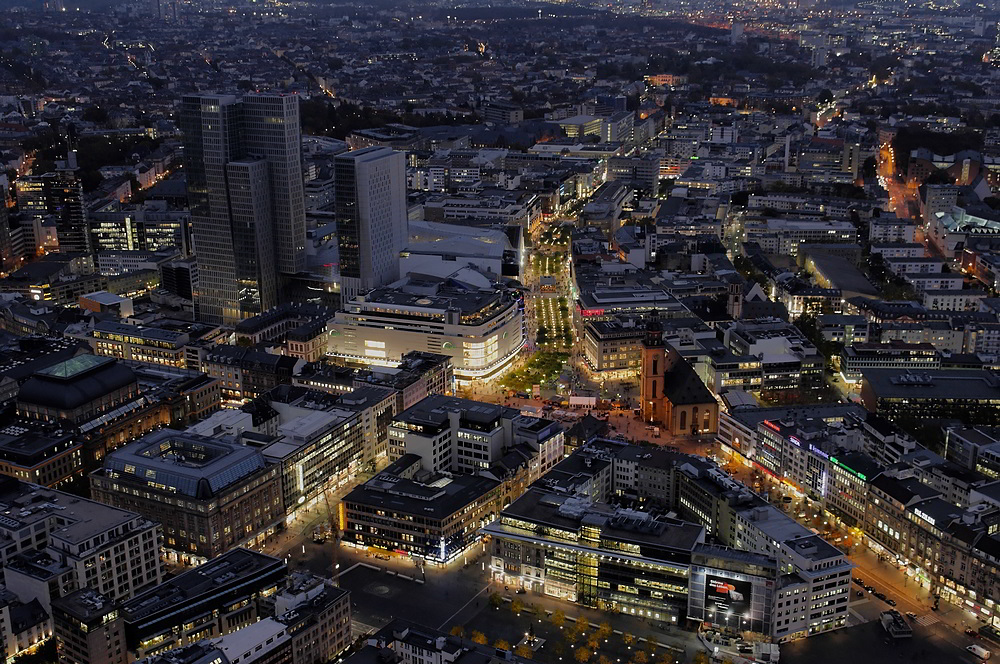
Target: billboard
{"x": 727, "y": 595}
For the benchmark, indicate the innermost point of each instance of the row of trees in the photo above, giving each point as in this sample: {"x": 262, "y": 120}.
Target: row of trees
{"x": 580, "y": 640}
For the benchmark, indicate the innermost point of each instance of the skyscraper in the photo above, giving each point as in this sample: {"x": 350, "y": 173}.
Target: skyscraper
{"x": 370, "y": 189}
{"x": 244, "y": 178}
{"x": 58, "y": 194}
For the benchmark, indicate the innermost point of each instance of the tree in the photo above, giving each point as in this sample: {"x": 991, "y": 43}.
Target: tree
{"x": 825, "y": 96}
{"x": 45, "y": 654}
{"x": 700, "y": 657}
{"x": 478, "y": 637}
{"x": 95, "y": 114}
{"x": 525, "y": 652}
{"x": 517, "y": 606}
{"x": 628, "y": 638}
{"x": 496, "y": 600}
{"x": 457, "y": 630}
{"x": 558, "y": 618}
{"x": 640, "y": 657}
{"x": 604, "y": 659}
{"x": 581, "y": 655}
{"x": 501, "y": 644}
{"x": 603, "y": 630}
{"x": 593, "y": 642}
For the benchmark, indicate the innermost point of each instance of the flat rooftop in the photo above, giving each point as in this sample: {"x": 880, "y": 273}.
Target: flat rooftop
{"x": 558, "y": 510}
{"x": 23, "y": 504}
{"x": 229, "y": 570}
{"x": 436, "y": 500}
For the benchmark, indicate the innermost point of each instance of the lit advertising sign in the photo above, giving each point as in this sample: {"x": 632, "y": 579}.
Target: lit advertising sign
{"x": 727, "y": 596}
{"x": 592, "y": 312}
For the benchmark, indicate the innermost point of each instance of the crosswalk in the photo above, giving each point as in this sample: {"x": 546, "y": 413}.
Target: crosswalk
{"x": 927, "y": 619}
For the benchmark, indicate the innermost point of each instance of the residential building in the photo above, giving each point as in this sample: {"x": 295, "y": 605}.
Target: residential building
{"x": 463, "y": 436}
{"x": 49, "y": 535}
{"x": 247, "y": 373}
{"x": 317, "y": 615}
{"x": 89, "y": 629}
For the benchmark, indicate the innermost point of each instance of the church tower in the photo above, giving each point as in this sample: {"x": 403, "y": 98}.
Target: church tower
{"x": 652, "y": 373}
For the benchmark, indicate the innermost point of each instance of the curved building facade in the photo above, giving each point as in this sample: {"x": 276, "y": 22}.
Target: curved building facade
{"x": 482, "y": 330}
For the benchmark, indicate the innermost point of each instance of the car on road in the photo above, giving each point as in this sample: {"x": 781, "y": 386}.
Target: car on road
{"x": 870, "y": 589}
{"x": 911, "y": 615}
{"x": 973, "y": 633}
{"x": 858, "y": 581}
{"x": 880, "y": 595}
{"x": 979, "y": 651}
{"x": 890, "y": 602}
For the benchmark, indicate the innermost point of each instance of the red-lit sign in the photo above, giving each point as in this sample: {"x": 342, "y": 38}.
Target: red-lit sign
{"x": 592, "y": 312}
{"x": 770, "y": 425}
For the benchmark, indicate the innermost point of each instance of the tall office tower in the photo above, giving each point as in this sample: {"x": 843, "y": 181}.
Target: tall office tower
{"x": 7, "y": 257}
{"x": 72, "y": 227}
{"x": 370, "y": 190}
{"x": 272, "y": 132}
{"x": 245, "y": 191}
{"x": 58, "y": 194}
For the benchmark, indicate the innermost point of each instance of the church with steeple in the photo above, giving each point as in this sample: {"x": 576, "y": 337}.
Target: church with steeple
{"x": 672, "y": 394}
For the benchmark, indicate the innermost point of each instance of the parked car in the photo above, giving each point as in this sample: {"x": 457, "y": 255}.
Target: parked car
{"x": 870, "y": 589}
{"x": 973, "y": 633}
{"x": 860, "y": 593}
{"x": 911, "y": 615}
{"x": 858, "y": 581}
{"x": 890, "y": 602}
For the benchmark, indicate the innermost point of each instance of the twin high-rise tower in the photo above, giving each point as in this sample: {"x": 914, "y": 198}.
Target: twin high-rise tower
{"x": 243, "y": 158}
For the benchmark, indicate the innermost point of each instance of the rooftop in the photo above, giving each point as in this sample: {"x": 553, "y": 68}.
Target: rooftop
{"x": 75, "y": 382}
{"x": 181, "y": 463}
{"x": 229, "y": 570}
{"x": 23, "y": 504}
